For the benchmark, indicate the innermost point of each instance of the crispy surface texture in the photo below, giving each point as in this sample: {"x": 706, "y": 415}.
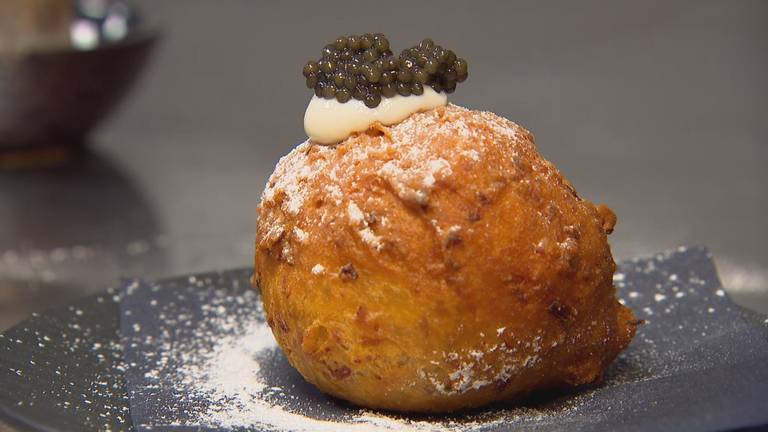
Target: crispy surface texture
{"x": 436, "y": 265}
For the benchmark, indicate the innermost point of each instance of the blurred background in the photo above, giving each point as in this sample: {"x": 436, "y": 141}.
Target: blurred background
{"x": 657, "y": 108}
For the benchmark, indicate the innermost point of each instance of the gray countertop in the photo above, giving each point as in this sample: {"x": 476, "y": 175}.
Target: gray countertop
{"x": 657, "y": 108}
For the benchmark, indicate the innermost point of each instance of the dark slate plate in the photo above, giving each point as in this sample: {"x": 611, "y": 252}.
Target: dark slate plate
{"x": 697, "y": 365}
{"x": 63, "y": 370}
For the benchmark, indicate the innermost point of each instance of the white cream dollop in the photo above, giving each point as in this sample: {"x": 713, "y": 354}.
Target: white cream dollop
{"x": 328, "y": 121}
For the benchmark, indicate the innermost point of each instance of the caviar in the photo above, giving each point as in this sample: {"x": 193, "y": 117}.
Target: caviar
{"x": 363, "y": 67}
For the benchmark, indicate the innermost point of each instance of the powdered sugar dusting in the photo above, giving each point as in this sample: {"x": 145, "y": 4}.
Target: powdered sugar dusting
{"x": 474, "y": 370}
{"x": 434, "y": 167}
{"x": 370, "y": 238}
{"x": 287, "y": 183}
{"x": 358, "y": 220}
{"x": 355, "y": 214}
{"x": 472, "y": 154}
{"x": 300, "y": 234}
{"x": 412, "y": 158}
{"x": 218, "y": 371}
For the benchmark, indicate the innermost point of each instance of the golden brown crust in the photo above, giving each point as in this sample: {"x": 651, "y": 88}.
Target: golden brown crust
{"x": 438, "y": 264}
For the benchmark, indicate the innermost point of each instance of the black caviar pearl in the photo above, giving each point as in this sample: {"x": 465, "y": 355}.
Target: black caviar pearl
{"x": 329, "y": 51}
{"x": 350, "y": 82}
{"x": 404, "y": 75}
{"x": 371, "y": 73}
{"x": 329, "y": 91}
{"x": 380, "y": 43}
{"x": 388, "y": 77}
{"x": 370, "y": 55}
{"x": 326, "y": 66}
{"x": 427, "y": 44}
{"x": 346, "y": 54}
{"x": 450, "y": 74}
{"x": 354, "y": 43}
{"x": 431, "y": 66}
{"x": 366, "y": 41}
{"x": 461, "y": 66}
{"x": 451, "y": 57}
{"x": 372, "y": 100}
{"x": 310, "y": 69}
{"x": 340, "y": 43}
{"x": 319, "y": 89}
{"x": 436, "y": 86}
{"x": 311, "y": 81}
{"x": 353, "y": 68}
{"x": 440, "y": 54}
{"x": 461, "y": 77}
{"x": 359, "y": 92}
{"x": 420, "y": 76}
{"x": 389, "y": 90}
{"x": 449, "y": 86}
{"x": 343, "y": 95}
{"x": 338, "y": 78}
{"x": 417, "y": 88}
{"x": 403, "y": 89}
{"x": 377, "y": 72}
{"x": 389, "y": 63}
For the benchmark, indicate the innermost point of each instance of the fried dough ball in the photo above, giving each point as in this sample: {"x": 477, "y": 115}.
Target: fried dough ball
{"x": 437, "y": 264}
